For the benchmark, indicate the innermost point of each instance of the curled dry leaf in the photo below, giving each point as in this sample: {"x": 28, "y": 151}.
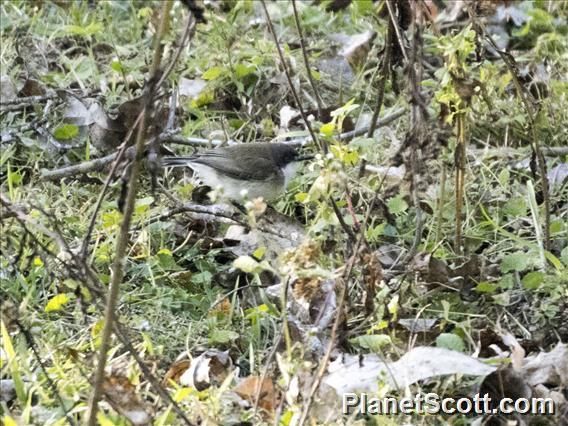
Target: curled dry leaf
{"x": 32, "y": 87}
{"x": 87, "y": 114}
{"x": 209, "y": 368}
{"x": 254, "y": 386}
{"x": 175, "y": 372}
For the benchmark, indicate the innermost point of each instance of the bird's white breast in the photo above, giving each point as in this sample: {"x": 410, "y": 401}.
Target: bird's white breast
{"x": 236, "y": 189}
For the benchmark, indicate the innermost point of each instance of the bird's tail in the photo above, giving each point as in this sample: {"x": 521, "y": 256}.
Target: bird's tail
{"x": 176, "y": 161}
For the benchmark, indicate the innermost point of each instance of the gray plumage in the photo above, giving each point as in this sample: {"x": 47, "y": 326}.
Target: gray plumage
{"x": 244, "y": 171}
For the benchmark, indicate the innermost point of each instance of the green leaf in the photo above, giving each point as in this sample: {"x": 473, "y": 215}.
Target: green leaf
{"x": 486, "y": 287}
{"x": 166, "y": 260}
{"x": 259, "y": 252}
{"x": 242, "y": 70}
{"x": 533, "y": 280}
{"x": 117, "y": 66}
{"x": 518, "y": 261}
{"x": 372, "y": 342}
{"x": 364, "y": 7}
{"x": 143, "y": 204}
{"x": 182, "y": 393}
{"x": 66, "y": 132}
{"x": 507, "y": 282}
{"x": 301, "y": 197}
{"x": 111, "y": 219}
{"x": 13, "y": 364}
{"x": 556, "y": 227}
{"x": 373, "y": 233}
{"x": 104, "y": 420}
{"x": 91, "y": 29}
{"x": 212, "y": 73}
{"x": 515, "y": 207}
{"x": 56, "y": 303}
{"x": 397, "y": 205}
{"x": 450, "y": 341}
{"x": 504, "y": 177}
{"x": 205, "y": 98}
{"x": 247, "y": 264}
{"x": 564, "y": 256}
{"x": 327, "y": 129}
{"x": 222, "y": 336}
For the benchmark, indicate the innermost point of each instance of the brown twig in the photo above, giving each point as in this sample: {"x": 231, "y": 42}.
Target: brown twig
{"x": 192, "y": 141}
{"x": 123, "y": 236}
{"x": 397, "y": 30}
{"x": 385, "y": 72}
{"x": 417, "y": 133}
{"x": 307, "y": 62}
{"x": 321, "y": 144}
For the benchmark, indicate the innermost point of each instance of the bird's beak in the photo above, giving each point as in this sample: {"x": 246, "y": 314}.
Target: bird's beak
{"x": 305, "y": 157}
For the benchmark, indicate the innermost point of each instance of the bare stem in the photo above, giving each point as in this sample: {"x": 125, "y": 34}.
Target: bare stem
{"x": 319, "y": 143}
{"x": 123, "y": 236}
{"x": 307, "y": 62}
{"x": 385, "y": 71}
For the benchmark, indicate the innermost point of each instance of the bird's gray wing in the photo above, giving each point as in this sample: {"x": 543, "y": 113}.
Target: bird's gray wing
{"x": 241, "y": 167}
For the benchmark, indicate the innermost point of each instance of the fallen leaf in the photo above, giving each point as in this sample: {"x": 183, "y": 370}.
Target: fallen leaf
{"x": 175, "y": 371}
{"x": 254, "y": 386}
{"x": 211, "y": 367}
{"x": 120, "y": 393}
{"x": 349, "y": 373}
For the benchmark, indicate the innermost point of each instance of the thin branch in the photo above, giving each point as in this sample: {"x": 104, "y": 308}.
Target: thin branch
{"x": 417, "y": 133}
{"x": 397, "y": 30}
{"x": 171, "y": 136}
{"x": 385, "y": 72}
{"x": 95, "y": 165}
{"x": 307, "y": 62}
{"x": 321, "y": 144}
{"x": 123, "y": 236}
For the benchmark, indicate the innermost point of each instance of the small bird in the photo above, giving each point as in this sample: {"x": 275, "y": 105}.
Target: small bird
{"x": 245, "y": 171}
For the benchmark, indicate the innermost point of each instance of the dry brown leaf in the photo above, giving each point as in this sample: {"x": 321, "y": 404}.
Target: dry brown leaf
{"x": 120, "y": 393}
{"x": 211, "y": 367}
{"x": 176, "y": 371}
{"x": 252, "y": 386}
